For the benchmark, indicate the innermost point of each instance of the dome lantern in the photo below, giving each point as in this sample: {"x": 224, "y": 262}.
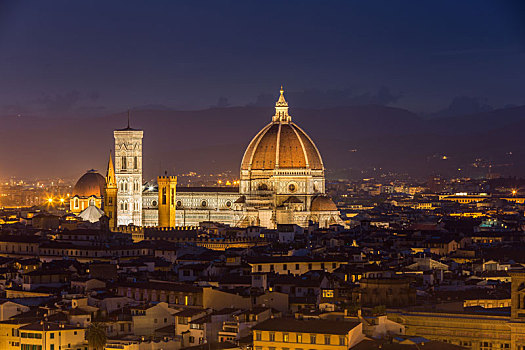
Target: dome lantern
{"x": 281, "y": 110}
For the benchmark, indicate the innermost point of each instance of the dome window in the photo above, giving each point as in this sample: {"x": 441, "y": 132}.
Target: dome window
{"x": 292, "y": 188}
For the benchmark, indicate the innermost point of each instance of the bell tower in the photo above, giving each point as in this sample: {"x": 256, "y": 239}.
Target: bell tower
{"x": 128, "y": 174}
{"x": 110, "y": 196}
{"x": 167, "y": 195}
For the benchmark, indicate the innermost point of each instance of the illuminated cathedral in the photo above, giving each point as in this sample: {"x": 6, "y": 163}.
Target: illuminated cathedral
{"x": 282, "y": 181}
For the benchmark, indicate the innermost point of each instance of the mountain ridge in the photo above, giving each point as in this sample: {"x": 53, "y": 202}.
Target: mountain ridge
{"x": 214, "y": 139}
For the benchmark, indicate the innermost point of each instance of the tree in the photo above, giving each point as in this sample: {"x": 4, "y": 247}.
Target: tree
{"x": 379, "y": 310}
{"x": 96, "y": 335}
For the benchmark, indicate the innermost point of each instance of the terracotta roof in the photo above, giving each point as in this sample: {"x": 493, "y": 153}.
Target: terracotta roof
{"x": 371, "y": 344}
{"x": 47, "y": 326}
{"x": 189, "y": 312}
{"x": 281, "y": 145}
{"x": 177, "y": 287}
{"x": 323, "y": 203}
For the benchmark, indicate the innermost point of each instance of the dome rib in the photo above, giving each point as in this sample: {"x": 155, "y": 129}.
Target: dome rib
{"x": 253, "y": 146}
{"x": 278, "y": 148}
{"x": 302, "y": 145}
{"x": 312, "y": 144}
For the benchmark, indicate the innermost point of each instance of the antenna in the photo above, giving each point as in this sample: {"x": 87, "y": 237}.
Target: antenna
{"x": 128, "y": 117}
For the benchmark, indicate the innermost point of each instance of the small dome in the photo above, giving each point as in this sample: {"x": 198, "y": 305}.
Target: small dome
{"x": 90, "y": 184}
{"x": 323, "y": 203}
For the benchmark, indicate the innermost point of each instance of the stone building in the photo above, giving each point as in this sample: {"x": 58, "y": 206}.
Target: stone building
{"x": 471, "y": 329}
{"x": 128, "y": 174}
{"x": 281, "y": 182}
{"x": 390, "y": 292}
{"x": 282, "y": 177}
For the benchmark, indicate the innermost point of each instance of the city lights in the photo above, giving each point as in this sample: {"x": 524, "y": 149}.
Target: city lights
{"x": 314, "y": 175}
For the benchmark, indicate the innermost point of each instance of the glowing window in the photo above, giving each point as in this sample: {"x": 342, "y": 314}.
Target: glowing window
{"x": 328, "y": 293}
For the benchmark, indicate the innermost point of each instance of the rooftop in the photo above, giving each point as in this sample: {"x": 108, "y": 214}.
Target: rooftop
{"x": 306, "y": 326}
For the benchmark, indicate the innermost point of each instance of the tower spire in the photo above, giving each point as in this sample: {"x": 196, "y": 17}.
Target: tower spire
{"x": 110, "y": 175}
{"x": 128, "y": 117}
{"x": 281, "y": 109}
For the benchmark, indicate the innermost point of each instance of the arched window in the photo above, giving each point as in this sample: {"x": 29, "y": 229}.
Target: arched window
{"x": 75, "y": 203}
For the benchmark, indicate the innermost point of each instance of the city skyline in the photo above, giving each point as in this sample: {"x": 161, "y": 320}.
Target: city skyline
{"x": 262, "y": 175}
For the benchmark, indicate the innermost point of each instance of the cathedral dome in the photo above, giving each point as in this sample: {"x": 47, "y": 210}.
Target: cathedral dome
{"x": 323, "y": 203}
{"x": 90, "y": 184}
{"x": 281, "y": 145}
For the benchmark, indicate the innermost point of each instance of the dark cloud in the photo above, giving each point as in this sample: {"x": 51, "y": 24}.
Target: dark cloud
{"x": 59, "y": 104}
{"x": 315, "y": 98}
{"x": 70, "y": 104}
{"x": 158, "y": 107}
{"x": 222, "y": 102}
{"x": 464, "y": 105}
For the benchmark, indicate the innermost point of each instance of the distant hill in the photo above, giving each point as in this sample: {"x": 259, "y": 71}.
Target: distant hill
{"x": 214, "y": 139}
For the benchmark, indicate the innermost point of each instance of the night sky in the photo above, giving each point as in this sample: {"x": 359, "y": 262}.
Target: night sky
{"x": 91, "y": 58}
{"x": 380, "y": 77}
